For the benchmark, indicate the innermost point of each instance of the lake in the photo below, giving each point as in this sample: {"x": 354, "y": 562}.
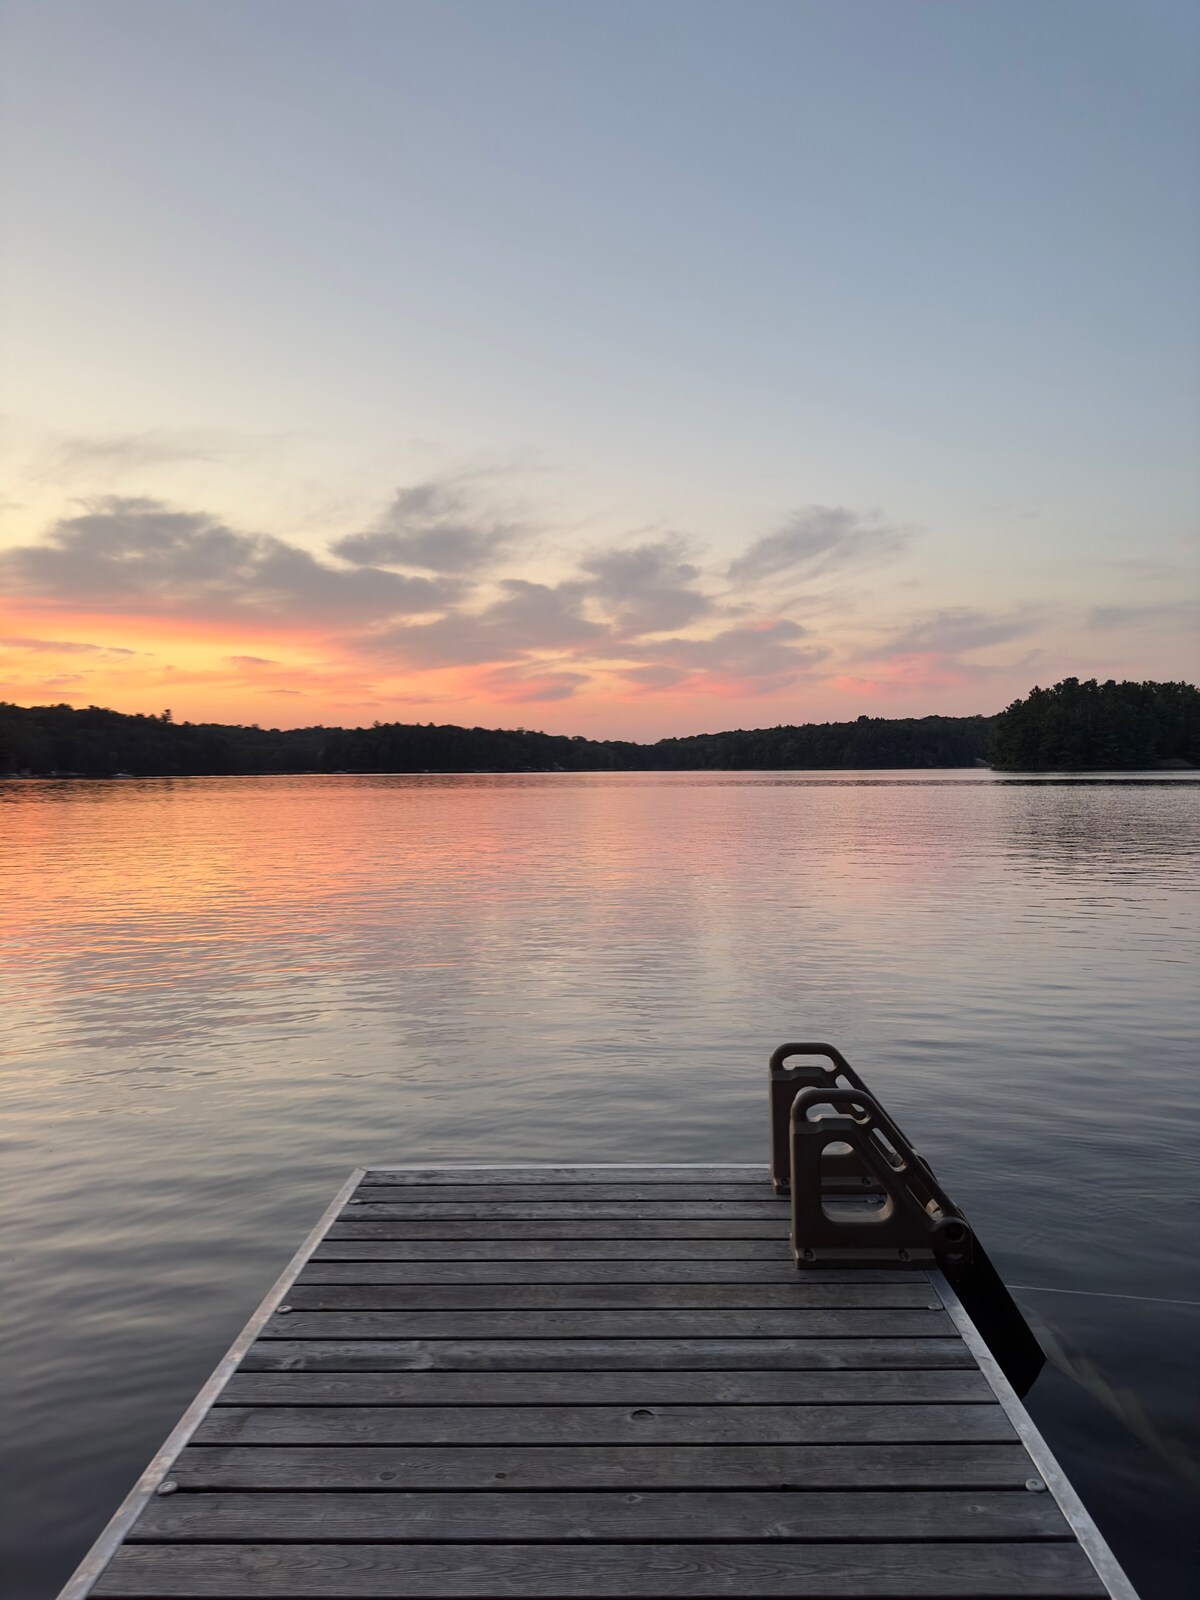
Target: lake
{"x": 219, "y": 995}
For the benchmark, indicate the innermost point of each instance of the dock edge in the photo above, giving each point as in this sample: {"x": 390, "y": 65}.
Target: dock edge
{"x": 79, "y": 1584}
{"x": 1093, "y": 1543}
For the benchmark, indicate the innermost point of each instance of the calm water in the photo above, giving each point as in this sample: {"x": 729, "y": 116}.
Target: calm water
{"x": 220, "y": 994}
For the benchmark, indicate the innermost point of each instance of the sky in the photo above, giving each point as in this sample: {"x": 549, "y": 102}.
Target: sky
{"x": 624, "y": 369}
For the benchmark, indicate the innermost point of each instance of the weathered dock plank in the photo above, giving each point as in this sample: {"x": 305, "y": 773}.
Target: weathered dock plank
{"x": 366, "y": 1294}
{"x": 650, "y": 1387}
{"x": 482, "y": 1571}
{"x": 565, "y": 1424}
{"x": 799, "y": 1324}
{"x": 371, "y": 1205}
{"x": 389, "y": 1222}
{"x": 629, "y": 1468}
{"x": 819, "y": 1516}
{"x": 329, "y": 1265}
{"x": 460, "y": 1177}
{"x": 596, "y": 1382}
{"x": 601, "y": 1355}
{"x": 572, "y": 1247}
{"x": 559, "y": 1194}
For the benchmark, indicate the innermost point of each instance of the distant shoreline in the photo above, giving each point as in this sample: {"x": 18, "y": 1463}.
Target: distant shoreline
{"x": 1168, "y": 770}
{"x": 1073, "y": 727}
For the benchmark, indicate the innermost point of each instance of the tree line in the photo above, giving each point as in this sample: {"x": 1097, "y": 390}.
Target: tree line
{"x": 1072, "y": 726}
{"x": 1095, "y": 726}
{"x": 95, "y": 742}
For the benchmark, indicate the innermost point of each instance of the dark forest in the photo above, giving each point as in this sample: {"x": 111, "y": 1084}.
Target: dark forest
{"x": 1073, "y": 726}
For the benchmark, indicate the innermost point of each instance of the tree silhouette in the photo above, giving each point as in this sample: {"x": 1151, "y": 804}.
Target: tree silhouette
{"x": 1109, "y": 726}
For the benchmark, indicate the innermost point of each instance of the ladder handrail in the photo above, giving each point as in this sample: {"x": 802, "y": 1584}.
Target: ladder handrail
{"x": 917, "y": 1213}
{"x": 785, "y": 1080}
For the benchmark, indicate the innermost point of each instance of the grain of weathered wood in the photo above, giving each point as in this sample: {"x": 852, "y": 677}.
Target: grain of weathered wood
{"x": 600, "y": 1355}
{"x": 839, "y": 1388}
{"x": 603, "y": 1425}
{"x": 514, "y": 1246}
{"x": 514, "y": 1356}
{"x": 354, "y": 1223}
{"x": 475, "y": 1571}
{"x": 800, "y": 1294}
{"x": 407, "y": 1517}
{"x": 631, "y": 1468}
{"x": 850, "y": 1324}
{"x": 327, "y": 1268}
{"x": 512, "y": 1194}
{"x": 519, "y": 1177}
{"x": 775, "y": 1211}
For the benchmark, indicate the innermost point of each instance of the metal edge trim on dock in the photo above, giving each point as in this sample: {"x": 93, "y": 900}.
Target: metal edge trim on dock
{"x": 79, "y": 1585}
{"x": 555, "y": 1166}
{"x": 1091, "y": 1540}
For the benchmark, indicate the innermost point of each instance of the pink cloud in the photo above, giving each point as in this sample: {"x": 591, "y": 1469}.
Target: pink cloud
{"x": 518, "y": 685}
{"x": 923, "y": 670}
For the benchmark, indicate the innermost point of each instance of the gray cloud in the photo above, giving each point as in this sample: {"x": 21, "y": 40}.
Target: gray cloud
{"x": 69, "y": 647}
{"x": 86, "y": 455}
{"x": 526, "y": 617}
{"x": 1104, "y": 618}
{"x": 654, "y": 677}
{"x": 749, "y": 659}
{"x": 430, "y": 526}
{"x": 815, "y": 541}
{"x": 647, "y": 588}
{"x": 954, "y": 631}
{"x": 529, "y": 684}
{"x": 123, "y": 552}
{"x": 530, "y": 618}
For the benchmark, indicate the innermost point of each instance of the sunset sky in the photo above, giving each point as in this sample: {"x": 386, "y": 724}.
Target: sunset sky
{"x": 603, "y": 367}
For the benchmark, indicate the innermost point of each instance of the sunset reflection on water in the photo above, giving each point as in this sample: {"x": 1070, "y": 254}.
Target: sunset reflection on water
{"x": 220, "y": 994}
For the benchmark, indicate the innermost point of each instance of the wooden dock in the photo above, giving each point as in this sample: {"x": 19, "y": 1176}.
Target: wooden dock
{"x": 597, "y": 1381}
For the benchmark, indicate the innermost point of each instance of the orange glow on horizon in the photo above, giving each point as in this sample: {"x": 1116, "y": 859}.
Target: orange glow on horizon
{"x": 292, "y": 674}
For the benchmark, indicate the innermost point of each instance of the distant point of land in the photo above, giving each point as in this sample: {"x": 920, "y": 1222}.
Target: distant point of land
{"x": 1075, "y": 726}
{"x": 1098, "y": 727}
